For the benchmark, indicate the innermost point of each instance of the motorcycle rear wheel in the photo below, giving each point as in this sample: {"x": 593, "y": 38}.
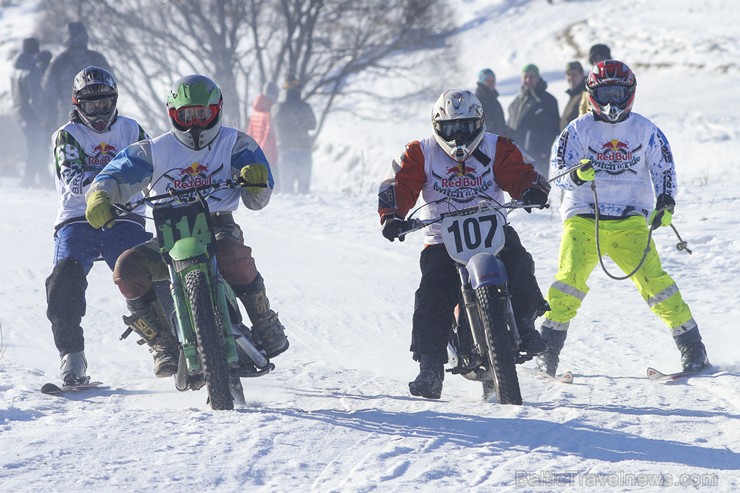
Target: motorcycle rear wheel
{"x": 499, "y": 346}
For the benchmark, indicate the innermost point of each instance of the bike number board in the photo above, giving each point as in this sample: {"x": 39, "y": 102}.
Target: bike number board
{"x": 465, "y": 236}
{"x": 175, "y": 222}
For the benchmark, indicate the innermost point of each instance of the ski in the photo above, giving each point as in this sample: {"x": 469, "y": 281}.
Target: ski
{"x": 566, "y": 377}
{"x": 656, "y": 375}
{"x": 50, "y": 388}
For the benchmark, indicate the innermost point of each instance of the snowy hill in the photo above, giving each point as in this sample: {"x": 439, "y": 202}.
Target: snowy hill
{"x": 336, "y": 414}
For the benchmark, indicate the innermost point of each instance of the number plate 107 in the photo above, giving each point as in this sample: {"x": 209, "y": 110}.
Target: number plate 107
{"x": 465, "y": 236}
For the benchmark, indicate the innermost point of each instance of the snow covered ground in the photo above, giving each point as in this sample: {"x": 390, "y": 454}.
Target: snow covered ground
{"x": 336, "y": 414}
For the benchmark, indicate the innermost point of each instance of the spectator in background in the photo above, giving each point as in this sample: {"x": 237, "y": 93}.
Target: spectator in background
{"x": 534, "y": 118}
{"x": 488, "y": 95}
{"x": 260, "y": 126}
{"x": 293, "y": 120}
{"x": 29, "y": 107}
{"x": 597, "y": 53}
{"x": 63, "y": 69}
{"x": 576, "y": 80}
{"x": 43, "y": 58}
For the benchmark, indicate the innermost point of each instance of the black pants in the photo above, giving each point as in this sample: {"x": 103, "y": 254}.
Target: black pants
{"x": 439, "y": 292}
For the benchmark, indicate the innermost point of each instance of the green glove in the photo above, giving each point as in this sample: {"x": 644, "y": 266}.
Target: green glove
{"x": 586, "y": 172}
{"x": 662, "y": 215}
{"x": 254, "y": 174}
{"x": 99, "y": 211}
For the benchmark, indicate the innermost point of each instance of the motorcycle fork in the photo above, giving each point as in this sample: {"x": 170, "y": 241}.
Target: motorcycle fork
{"x": 471, "y": 309}
{"x": 184, "y": 326}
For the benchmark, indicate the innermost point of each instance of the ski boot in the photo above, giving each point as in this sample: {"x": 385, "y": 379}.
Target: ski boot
{"x": 74, "y": 368}
{"x": 147, "y": 319}
{"x": 429, "y": 381}
{"x": 549, "y": 359}
{"x": 693, "y": 352}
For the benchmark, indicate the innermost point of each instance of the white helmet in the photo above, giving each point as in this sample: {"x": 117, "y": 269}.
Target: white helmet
{"x": 458, "y": 123}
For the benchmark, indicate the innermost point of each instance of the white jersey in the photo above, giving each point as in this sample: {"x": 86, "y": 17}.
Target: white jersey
{"x": 425, "y": 170}
{"x": 632, "y": 160}
{"x": 162, "y": 164}
{"x": 80, "y": 153}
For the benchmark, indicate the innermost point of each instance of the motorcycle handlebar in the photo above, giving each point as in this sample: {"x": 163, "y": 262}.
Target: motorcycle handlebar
{"x": 411, "y": 225}
{"x": 210, "y": 189}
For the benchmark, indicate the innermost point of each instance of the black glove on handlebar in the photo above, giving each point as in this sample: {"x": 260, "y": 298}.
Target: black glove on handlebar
{"x": 392, "y": 225}
{"x": 534, "y": 197}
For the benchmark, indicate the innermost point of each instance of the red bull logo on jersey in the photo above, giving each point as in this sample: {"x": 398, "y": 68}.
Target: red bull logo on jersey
{"x": 462, "y": 181}
{"x": 101, "y": 155}
{"x": 196, "y": 174}
{"x": 615, "y": 157}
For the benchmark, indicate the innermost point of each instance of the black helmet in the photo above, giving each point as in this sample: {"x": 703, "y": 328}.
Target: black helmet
{"x": 95, "y": 94}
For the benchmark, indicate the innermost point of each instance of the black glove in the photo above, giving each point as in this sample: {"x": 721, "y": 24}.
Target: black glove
{"x": 392, "y": 225}
{"x": 534, "y": 197}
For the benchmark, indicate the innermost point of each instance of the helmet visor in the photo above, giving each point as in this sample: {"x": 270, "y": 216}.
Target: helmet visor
{"x": 200, "y": 115}
{"x": 462, "y": 130}
{"x": 92, "y": 107}
{"x": 614, "y": 94}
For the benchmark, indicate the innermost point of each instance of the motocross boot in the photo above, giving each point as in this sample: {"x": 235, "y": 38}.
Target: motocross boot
{"x": 74, "y": 368}
{"x": 148, "y": 320}
{"x": 549, "y": 359}
{"x": 429, "y": 381}
{"x": 532, "y": 342}
{"x": 265, "y": 323}
{"x": 693, "y": 352}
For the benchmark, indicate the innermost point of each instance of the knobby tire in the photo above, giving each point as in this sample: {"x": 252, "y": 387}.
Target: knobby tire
{"x": 500, "y": 346}
{"x": 210, "y": 341}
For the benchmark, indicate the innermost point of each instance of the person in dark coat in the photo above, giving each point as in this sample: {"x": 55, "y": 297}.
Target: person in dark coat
{"x": 534, "y": 118}
{"x": 63, "y": 69}
{"x": 28, "y": 107}
{"x": 576, "y": 80}
{"x": 293, "y": 119}
{"x": 488, "y": 95}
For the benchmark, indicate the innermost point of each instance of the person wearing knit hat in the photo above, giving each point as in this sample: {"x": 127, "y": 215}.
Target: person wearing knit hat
{"x": 488, "y": 95}
{"x": 531, "y": 67}
{"x": 597, "y": 53}
{"x": 576, "y": 79}
{"x": 534, "y": 118}
{"x": 291, "y": 82}
{"x": 31, "y": 45}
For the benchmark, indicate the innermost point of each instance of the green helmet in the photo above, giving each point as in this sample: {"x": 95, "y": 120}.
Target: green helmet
{"x": 194, "y": 106}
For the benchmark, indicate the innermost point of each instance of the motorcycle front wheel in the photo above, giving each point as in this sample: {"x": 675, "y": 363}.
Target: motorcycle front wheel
{"x": 210, "y": 341}
{"x": 492, "y": 304}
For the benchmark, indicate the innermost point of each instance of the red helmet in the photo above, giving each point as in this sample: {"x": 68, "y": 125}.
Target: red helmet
{"x": 611, "y": 90}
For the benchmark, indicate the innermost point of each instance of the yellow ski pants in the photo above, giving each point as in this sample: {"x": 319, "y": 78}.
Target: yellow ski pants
{"x": 624, "y": 242}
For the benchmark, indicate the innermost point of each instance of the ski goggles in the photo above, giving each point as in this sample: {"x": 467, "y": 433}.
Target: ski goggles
{"x": 607, "y": 94}
{"x": 200, "y": 115}
{"x": 464, "y": 129}
{"x": 100, "y": 106}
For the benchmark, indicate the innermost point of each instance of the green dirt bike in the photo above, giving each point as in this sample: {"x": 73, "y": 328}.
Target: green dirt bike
{"x": 216, "y": 348}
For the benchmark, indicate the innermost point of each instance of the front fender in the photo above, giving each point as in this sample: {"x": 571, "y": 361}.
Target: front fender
{"x": 186, "y": 248}
{"x": 486, "y": 269}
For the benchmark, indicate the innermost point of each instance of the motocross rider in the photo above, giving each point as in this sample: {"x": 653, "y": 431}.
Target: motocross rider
{"x": 461, "y": 162}
{"x": 198, "y": 150}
